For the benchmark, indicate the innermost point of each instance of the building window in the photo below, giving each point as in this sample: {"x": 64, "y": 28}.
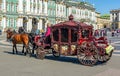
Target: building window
{"x": 38, "y": 10}
{"x": 7, "y": 6}
{"x": 13, "y": 9}
{"x": 16, "y": 6}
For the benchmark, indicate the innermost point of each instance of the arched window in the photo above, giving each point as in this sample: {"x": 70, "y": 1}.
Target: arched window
{"x": 64, "y": 35}
{"x": 85, "y": 33}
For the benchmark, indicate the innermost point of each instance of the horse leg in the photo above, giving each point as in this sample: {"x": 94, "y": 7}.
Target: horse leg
{"x": 28, "y": 50}
{"x": 13, "y": 48}
{"x": 33, "y": 48}
{"x": 23, "y": 49}
{"x": 16, "y": 49}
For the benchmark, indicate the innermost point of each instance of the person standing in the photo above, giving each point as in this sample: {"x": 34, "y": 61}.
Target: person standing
{"x": 48, "y": 30}
{"x": 112, "y": 33}
{"x": 37, "y": 32}
{"x": 21, "y": 30}
{"x": 47, "y": 33}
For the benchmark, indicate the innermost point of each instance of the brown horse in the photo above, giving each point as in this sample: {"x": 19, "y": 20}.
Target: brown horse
{"x": 19, "y": 39}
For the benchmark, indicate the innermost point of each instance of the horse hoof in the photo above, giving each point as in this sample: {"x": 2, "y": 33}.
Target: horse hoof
{"x": 16, "y": 52}
{"x": 22, "y": 51}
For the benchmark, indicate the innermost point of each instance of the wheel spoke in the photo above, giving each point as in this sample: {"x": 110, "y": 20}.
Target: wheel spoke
{"x": 87, "y": 55}
{"x": 40, "y": 53}
{"x": 55, "y": 54}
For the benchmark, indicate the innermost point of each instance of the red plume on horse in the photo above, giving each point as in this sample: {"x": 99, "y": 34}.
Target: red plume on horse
{"x": 18, "y": 38}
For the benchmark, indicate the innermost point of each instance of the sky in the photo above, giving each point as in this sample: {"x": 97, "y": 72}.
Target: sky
{"x": 104, "y": 6}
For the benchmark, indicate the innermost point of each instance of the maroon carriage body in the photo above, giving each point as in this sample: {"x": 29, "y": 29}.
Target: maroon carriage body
{"x": 67, "y": 36}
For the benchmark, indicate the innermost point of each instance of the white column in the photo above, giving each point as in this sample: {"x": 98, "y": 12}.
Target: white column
{"x": 76, "y": 15}
{"x": 4, "y": 5}
{"x": 28, "y": 6}
{"x": 20, "y": 6}
{"x": 29, "y": 24}
{"x": 64, "y": 11}
{"x": 56, "y": 10}
{"x": 45, "y": 8}
{"x": 32, "y": 6}
{"x": 36, "y": 7}
{"x": 93, "y": 16}
{"x": 59, "y": 10}
{"x": 4, "y": 22}
{"x": 70, "y": 11}
{"x": 40, "y": 7}
{"x": 119, "y": 16}
{"x": 40, "y": 24}
{"x": 18, "y": 22}
{"x": 82, "y": 13}
{"x": 79, "y": 12}
{"x": 21, "y": 21}
{"x": 111, "y": 17}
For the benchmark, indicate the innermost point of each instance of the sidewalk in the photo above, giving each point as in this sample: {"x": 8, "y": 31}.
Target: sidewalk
{"x": 4, "y": 43}
{"x": 110, "y": 72}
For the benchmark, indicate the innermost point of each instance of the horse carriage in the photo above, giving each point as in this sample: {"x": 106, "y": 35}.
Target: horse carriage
{"x": 71, "y": 38}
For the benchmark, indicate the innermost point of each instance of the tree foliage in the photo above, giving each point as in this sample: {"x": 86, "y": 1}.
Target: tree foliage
{"x": 105, "y": 16}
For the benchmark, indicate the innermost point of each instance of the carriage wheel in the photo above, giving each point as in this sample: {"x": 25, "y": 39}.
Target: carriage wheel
{"x": 40, "y": 53}
{"x": 102, "y": 56}
{"x": 87, "y": 55}
{"x": 109, "y": 56}
{"x": 55, "y": 54}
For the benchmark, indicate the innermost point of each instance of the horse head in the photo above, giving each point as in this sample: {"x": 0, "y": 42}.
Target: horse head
{"x": 9, "y": 34}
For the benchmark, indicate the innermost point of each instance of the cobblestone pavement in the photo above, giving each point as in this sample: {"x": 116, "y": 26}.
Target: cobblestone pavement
{"x": 20, "y": 65}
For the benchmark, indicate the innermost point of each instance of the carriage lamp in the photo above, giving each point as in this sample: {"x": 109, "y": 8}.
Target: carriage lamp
{"x": 73, "y": 47}
{"x": 64, "y": 49}
{"x": 55, "y": 46}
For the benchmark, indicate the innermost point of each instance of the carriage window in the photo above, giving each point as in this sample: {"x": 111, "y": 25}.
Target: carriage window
{"x": 56, "y": 35}
{"x": 85, "y": 33}
{"x": 73, "y": 35}
{"x": 64, "y": 35}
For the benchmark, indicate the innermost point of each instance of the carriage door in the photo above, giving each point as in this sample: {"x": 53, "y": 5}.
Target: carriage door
{"x": 73, "y": 44}
{"x": 64, "y": 35}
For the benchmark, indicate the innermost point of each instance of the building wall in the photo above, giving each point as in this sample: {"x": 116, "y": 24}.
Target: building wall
{"x": 102, "y": 23}
{"x": 43, "y": 11}
{"x": 51, "y": 12}
{"x": 115, "y": 18}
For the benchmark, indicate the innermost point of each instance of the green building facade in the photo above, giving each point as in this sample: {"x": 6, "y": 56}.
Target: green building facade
{"x": 37, "y": 13}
